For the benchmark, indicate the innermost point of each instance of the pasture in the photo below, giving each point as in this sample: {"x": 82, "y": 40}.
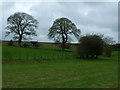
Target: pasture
{"x": 52, "y": 68}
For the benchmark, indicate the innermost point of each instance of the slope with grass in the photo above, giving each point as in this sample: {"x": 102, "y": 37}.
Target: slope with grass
{"x": 63, "y": 72}
{"x": 21, "y": 54}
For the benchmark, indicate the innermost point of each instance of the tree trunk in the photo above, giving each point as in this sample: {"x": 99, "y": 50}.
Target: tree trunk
{"x": 63, "y": 42}
{"x": 63, "y": 46}
{"x": 19, "y": 41}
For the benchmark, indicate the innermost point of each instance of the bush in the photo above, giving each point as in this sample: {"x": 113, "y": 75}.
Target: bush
{"x": 82, "y": 52}
{"x": 108, "y": 50}
{"x": 26, "y": 45}
{"x": 116, "y": 47}
{"x": 67, "y": 46}
{"x": 91, "y": 46}
{"x": 36, "y": 45}
{"x": 10, "y": 43}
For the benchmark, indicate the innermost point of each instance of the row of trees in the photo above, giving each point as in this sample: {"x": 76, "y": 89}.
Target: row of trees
{"x": 23, "y": 25}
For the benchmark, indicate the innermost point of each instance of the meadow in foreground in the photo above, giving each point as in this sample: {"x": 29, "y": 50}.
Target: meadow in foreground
{"x": 47, "y": 68}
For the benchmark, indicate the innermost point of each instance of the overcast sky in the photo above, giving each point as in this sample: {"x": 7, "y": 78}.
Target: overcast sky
{"x": 89, "y": 17}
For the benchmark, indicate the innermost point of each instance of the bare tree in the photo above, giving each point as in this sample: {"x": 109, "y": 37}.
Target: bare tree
{"x": 61, "y": 30}
{"x": 22, "y": 25}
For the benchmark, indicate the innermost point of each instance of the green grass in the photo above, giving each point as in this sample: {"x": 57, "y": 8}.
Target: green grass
{"x": 62, "y": 72}
{"x": 12, "y": 53}
{"x": 0, "y": 66}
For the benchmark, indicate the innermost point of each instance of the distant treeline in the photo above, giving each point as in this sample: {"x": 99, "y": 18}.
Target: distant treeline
{"x": 115, "y": 47}
{"x": 41, "y": 44}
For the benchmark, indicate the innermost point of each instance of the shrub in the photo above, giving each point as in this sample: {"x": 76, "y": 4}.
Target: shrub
{"x": 10, "y": 43}
{"x": 116, "y": 47}
{"x": 66, "y": 46}
{"x": 107, "y": 50}
{"x": 36, "y": 45}
{"x": 91, "y": 46}
{"x": 26, "y": 45}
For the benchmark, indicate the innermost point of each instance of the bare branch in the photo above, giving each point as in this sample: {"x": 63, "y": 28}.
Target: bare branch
{"x": 21, "y": 23}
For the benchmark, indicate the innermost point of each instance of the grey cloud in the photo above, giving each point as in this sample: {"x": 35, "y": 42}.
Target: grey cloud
{"x": 98, "y": 14}
{"x": 6, "y": 11}
{"x": 90, "y": 17}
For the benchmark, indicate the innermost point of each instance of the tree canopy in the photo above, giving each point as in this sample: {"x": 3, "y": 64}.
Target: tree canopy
{"x": 91, "y": 46}
{"x": 22, "y": 25}
{"x": 61, "y": 30}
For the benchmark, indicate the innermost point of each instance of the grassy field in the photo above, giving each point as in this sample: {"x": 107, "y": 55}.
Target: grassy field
{"x": 51, "y": 68}
{"x": 14, "y": 54}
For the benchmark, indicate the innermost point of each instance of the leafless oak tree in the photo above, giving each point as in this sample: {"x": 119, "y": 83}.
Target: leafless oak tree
{"x": 22, "y": 25}
{"x": 61, "y": 30}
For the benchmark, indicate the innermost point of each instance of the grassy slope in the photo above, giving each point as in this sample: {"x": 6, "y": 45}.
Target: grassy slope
{"x": 101, "y": 73}
{"x": 0, "y": 66}
{"x": 11, "y": 53}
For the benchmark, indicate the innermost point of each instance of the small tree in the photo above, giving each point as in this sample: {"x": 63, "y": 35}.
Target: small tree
{"x": 22, "y": 25}
{"x": 109, "y": 40}
{"x": 108, "y": 46}
{"x": 91, "y": 46}
{"x": 108, "y": 50}
{"x": 61, "y": 30}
